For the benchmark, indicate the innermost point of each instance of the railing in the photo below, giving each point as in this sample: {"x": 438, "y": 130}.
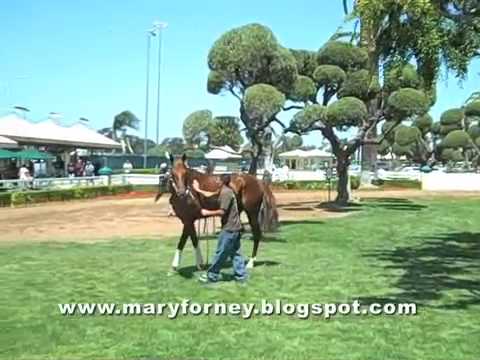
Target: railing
{"x": 62, "y": 183}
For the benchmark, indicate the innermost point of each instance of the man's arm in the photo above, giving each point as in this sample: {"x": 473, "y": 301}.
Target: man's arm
{"x": 196, "y": 187}
{"x": 206, "y": 213}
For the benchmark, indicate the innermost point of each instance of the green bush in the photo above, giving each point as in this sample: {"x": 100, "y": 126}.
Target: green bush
{"x": 400, "y": 183}
{"x": 354, "y": 182}
{"x": 5, "y": 199}
{"x": 21, "y": 198}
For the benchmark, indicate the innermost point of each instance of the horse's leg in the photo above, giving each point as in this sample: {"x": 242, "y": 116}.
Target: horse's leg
{"x": 257, "y": 235}
{"x": 181, "y": 244}
{"x": 198, "y": 251}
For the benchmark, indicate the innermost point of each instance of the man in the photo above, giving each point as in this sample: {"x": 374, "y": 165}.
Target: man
{"x": 127, "y": 166}
{"x": 229, "y": 239}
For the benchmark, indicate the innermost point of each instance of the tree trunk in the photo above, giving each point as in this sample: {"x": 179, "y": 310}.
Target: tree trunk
{"x": 254, "y": 165}
{"x": 343, "y": 191}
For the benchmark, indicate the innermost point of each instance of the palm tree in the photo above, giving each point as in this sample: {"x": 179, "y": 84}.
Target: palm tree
{"x": 118, "y": 132}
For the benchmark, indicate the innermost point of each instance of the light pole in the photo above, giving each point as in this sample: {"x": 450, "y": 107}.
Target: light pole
{"x": 150, "y": 33}
{"x": 159, "y": 26}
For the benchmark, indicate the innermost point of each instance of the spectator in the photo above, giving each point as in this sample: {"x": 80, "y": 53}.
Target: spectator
{"x": 127, "y": 167}
{"x": 71, "y": 169}
{"x": 89, "y": 169}
{"x": 79, "y": 168}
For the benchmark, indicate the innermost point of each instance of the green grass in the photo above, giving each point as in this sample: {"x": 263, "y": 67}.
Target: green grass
{"x": 389, "y": 250}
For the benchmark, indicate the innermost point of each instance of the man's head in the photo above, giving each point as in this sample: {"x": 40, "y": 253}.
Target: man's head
{"x": 226, "y": 178}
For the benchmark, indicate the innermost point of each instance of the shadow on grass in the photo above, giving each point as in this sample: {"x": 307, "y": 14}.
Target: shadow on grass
{"x": 393, "y": 204}
{"x": 301, "y": 222}
{"x": 443, "y": 272}
{"x": 377, "y": 203}
{"x": 189, "y": 271}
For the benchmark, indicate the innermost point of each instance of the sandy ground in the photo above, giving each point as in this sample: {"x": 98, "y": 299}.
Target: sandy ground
{"x": 95, "y": 220}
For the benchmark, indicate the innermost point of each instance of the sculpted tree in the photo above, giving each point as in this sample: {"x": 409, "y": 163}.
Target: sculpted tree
{"x": 428, "y": 33}
{"x": 455, "y": 138}
{"x": 340, "y": 107}
{"x": 252, "y": 66}
{"x": 202, "y": 130}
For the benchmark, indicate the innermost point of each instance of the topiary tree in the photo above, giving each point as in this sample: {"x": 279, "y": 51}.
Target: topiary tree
{"x": 250, "y": 64}
{"x": 455, "y": 138}
{"x": 340, "y": 108}
{"x": 203, "y": 131}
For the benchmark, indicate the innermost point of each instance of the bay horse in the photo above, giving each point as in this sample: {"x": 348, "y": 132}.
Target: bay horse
{"x": 253, "y": 196}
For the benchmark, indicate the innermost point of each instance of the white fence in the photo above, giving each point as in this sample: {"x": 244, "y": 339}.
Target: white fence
{"x": 439, "y": 181}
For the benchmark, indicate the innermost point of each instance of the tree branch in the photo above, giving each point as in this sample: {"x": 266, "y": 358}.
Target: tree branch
{"x": 299, "y": 107}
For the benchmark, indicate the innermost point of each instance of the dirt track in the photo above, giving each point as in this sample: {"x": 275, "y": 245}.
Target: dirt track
{"x": 94, "y": 220}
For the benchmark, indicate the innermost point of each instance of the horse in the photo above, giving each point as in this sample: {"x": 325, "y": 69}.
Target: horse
{"x": 253, "y": 196}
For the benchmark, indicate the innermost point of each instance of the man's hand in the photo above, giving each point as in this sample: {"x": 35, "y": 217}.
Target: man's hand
{"x": 196, "y": 185}
{"x": 204, "y": 212}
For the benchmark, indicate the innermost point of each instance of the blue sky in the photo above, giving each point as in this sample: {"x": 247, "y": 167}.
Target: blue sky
{"x": 87, "y": 58}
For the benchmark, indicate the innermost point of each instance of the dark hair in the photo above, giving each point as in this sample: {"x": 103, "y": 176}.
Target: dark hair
{"x": 226, "y": 179}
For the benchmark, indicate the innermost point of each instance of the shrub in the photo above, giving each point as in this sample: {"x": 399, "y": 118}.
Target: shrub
{"x": 347, "y": 111}
{"x": 21, "y": 198}
{"x": 354, "y": 182}
{"x": 452, "y": 117}
{"x": 407, "y": 102}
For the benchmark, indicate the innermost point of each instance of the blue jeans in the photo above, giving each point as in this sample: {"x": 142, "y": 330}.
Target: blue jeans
{"x": 228, "y": 247}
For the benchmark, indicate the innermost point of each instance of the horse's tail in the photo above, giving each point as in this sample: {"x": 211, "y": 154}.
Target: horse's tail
{"x": 268, "y": 214}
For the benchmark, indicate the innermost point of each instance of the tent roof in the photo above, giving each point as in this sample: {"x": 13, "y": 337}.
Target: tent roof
{"x": 49, "y": 132}
{"x": 305, "y": 154}
{"x": 293, "y": 153}
{"x": 31, "y": 154}
{"x": 223, "y": 153}
{"x": 5, "y": 154}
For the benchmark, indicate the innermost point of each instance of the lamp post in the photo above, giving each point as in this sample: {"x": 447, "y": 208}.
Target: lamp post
{"x": 150, "y": 33}
{"x": 159, "y": 26}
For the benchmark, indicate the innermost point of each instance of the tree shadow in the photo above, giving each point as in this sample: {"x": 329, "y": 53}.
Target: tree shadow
{"x": 188, "y": 272}
{"x": 301, "y": 222}
{"x": 393, "y": 204}
{"x": 381, "y": 203}
{"x": 443, "y": 272}
{"x": 296, "y": 204}
{"x": 339, "y": 208}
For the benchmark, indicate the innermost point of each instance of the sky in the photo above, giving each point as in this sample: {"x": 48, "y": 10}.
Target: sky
{"x": 87, "y": 58}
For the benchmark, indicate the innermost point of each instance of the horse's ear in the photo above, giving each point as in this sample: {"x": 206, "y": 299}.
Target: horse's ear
{"x": 184, "y": 157}
{"x": 170, "y": 156}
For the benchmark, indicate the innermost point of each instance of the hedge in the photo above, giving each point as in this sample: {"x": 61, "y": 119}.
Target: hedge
{"x": 314, "y": 185}
{"x": 20, "y": 198}
{"x": 148, "y": 171}
{"x": 400, "y": 183}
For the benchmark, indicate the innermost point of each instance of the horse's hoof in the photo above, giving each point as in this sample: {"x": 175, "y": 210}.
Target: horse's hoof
{"x": 201, "y": 267}
{"x": 174, "y": 268}
{"x": 251, "y": 264}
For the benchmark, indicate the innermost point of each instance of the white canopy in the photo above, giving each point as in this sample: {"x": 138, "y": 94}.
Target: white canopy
{"x": 7, "y": 143}
{"x": 298, "y": 153}
{"x": 223, "y": 153}
{"x": 49, "y": 132}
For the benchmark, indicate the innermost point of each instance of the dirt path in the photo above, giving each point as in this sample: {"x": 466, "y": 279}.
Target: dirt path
{"x": 94, "y": 220}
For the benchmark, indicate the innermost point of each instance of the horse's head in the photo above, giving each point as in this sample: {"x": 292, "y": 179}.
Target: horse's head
{"x": 179, "y": 175}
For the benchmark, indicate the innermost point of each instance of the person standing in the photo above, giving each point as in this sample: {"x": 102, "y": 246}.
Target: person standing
{"x": 127, "y": 166}
{"x": 228, "y": 245}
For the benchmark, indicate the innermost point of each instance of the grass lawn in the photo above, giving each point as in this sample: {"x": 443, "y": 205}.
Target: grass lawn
{"x": 426, "y": 252}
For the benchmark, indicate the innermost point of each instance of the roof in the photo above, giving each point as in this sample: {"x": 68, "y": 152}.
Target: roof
{"x": 305, "y": 153}
{"x": 49, "y": 132}
{"x": 222, "y": 153}
{"x": 7, "y": 143}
